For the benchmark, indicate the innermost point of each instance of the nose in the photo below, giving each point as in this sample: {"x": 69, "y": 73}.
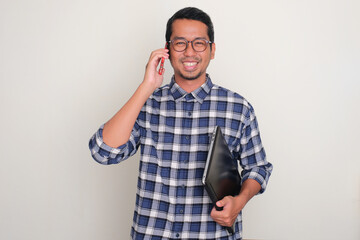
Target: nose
{"x": 189, "y": 51}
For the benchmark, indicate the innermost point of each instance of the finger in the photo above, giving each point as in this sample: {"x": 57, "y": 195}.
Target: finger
{"x": 225, "y": 201}
{"x": 156, "y": 59}
{"x": 153, "y": 62}
{"x": 220, "y": 203}
{"x": 160, "y": 53}
{"x": 215, "y": 213}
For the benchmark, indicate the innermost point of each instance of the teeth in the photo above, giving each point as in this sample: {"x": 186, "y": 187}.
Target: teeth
{"x": 189, "y": 64}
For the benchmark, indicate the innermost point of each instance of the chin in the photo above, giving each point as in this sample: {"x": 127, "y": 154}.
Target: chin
{"x": 191, "y": 77}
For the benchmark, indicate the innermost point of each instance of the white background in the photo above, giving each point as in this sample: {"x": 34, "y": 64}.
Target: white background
{"x": 67, "y": 66}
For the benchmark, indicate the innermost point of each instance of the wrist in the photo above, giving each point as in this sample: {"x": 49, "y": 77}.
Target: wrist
{"x": 147, "y": 87}
{"x": 249, "y": 188}
{"x": 240, "y": 202}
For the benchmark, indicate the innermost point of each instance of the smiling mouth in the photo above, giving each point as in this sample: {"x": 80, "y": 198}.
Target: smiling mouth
{"x": 189, "y": 64}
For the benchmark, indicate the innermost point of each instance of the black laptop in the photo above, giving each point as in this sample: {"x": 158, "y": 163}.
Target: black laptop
{"x": 221, "y": 176}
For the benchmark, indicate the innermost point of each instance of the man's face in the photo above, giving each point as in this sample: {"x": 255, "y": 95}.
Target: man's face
{"x": 189, "y": 64}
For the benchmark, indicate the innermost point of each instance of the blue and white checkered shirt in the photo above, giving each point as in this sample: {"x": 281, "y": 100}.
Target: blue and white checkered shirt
{"x": 173, "y": 131}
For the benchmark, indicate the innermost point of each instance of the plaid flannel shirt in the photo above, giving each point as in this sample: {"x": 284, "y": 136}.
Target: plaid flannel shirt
{"x": 173, "y": 131}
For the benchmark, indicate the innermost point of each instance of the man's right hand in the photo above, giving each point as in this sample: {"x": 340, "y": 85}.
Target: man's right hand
{"x": 152, "y": 78}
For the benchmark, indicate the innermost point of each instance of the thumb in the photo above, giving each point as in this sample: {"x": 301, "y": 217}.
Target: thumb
{"x": 223, "y": 202}
{"x": 220, "y": 203}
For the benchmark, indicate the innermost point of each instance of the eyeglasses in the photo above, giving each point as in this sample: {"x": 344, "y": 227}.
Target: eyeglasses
{"x": 181, "y": 44}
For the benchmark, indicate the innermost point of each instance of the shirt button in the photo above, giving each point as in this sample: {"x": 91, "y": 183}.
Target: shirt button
{"x": 177, "y": 235}
{"x": 181, "y": 211}
{"x": 189, "y": 113}
{"x": 187, "y": 137}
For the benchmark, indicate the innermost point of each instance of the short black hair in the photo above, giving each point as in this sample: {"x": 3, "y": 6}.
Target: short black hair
{"x": 191, "y": 13}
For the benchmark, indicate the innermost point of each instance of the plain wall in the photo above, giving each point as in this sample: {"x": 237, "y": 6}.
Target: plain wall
{"x": 67, "y": 66}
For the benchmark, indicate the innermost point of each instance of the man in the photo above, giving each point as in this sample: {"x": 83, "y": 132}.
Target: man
{"x": 172, "y": 125}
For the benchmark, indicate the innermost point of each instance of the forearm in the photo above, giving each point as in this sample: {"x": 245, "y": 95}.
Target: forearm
{"x": 118, "y": 129}
{"x": 249, "y": 188}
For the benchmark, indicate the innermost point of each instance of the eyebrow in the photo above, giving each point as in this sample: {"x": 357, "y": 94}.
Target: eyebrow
{"x": 191, "y": 40}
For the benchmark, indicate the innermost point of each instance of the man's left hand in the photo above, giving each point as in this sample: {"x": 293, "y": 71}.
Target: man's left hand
{"x": 231, "y": 209}
{"x": 233, "y": 205}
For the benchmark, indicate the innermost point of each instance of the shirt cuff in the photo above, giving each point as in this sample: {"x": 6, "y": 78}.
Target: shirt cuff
{"x": 259, "y": 174}
{"x": 103, "y": 153}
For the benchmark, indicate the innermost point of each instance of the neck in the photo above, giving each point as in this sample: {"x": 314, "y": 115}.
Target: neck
{"x": 190, "y": 85}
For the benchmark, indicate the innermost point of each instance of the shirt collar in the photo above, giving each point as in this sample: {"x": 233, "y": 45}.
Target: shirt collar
{"x": 198, "y": 94}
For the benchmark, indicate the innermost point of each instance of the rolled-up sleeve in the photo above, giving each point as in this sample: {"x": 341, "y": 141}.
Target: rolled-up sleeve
{"x": 252, "y": 153}
{"x": 104, "y": 154}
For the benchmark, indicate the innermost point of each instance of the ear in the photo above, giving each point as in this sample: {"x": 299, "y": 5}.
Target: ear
{"x": 213, "y": 48}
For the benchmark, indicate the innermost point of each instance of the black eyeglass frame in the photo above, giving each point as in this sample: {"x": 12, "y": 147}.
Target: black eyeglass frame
{"x": 192, "y": 43}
